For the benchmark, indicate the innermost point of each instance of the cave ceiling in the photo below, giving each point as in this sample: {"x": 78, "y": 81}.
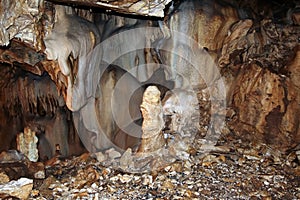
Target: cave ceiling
{"x": 153, "y": 8}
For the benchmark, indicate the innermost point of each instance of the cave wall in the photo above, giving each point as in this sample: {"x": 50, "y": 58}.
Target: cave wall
{"x": 256, "y": 53}
{"x": 250, "y": 47}
{"x": 260, "y": 56}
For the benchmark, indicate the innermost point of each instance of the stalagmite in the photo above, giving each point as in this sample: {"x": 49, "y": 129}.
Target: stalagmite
{"x": 27, "y": 144}
{"x": 152, "y": 136}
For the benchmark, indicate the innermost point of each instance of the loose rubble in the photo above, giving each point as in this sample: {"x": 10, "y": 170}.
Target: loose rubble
{"x": 230, "y": 170}
{"x": 240, "y": 174}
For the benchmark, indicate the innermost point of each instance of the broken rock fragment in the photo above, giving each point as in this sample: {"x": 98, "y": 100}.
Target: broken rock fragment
{"x": 112, "y": 153}
{"x": 127, "y": 159}
{"x": 20, "y": 188}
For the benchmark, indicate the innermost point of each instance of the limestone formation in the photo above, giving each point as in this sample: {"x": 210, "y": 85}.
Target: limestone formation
{"x": 74, "y": 37}
{"x": 153, "y": 123}
{"x": 33, "y": 101}
{"x": 27, "y": 144}
{"x": 181, "y": 105}
{"x": 197, "y": 43}
{"x": 262, "y": 90}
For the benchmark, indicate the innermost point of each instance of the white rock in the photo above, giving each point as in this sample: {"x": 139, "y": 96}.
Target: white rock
{"x": 114, "y": 178}
{"x": 187, "y": 173}
{"x": 127, "y": 159}
{"x": 96, "y": 196}
{"x": 147, "y": 180}
{"x": 125, "y": 178}
{"x": 153, "y": 122}
{"x": 100, "y": 156}
{"x": 20, "y": 188}
{"x": 94, "y": 186}
{"x": 112, "y": 153}
{"x": 181, "y": 105}
{"x": 40, "y": 174}
{"x": 266, "y": 183}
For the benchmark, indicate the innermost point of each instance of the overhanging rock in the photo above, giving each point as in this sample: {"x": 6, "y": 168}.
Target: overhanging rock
{"x": 153, "y": 8}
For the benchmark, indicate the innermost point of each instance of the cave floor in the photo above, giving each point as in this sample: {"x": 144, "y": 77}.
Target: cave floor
{"x": 232, "y": 171}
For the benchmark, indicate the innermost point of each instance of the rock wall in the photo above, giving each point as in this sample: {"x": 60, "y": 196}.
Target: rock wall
{"x": 246, "y": 53}
{"x": 259, "y": 60}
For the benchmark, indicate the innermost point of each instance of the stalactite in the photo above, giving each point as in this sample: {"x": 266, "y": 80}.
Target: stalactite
{"x": 32, "y": 101}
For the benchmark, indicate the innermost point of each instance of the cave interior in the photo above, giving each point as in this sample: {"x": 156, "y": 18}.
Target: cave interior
{"x": 74, "y": 76}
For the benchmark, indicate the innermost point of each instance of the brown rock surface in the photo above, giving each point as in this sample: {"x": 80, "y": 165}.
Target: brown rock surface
{"x": 251, "y": 41}
{"x": 267, "y": 107}
{"x": 33, "y": 101}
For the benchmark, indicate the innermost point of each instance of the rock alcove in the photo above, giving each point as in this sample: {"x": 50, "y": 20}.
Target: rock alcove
{"x": 139, "y": 86}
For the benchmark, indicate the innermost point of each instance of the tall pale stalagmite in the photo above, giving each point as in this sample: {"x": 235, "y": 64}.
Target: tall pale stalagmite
{"x": 153, "y": 123}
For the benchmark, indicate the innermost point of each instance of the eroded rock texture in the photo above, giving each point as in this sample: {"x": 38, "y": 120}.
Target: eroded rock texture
{"x": 18, "y": 19}
{"x": 147, "y": 8}
{"x": 264, "y": 90}
{"x": 33, "y": 101}
{"x": 153, "y": 123}
{"x": 181, "y": 105}
{"x": 27, "y": 144}
{"x": 73, "y": 38}
{"x": 268, "y": 110}
{"x": 253, "y": 44}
